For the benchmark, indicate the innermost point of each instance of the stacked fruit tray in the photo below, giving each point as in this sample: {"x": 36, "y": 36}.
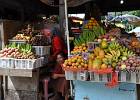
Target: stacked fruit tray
{"x": 19, "y": 56}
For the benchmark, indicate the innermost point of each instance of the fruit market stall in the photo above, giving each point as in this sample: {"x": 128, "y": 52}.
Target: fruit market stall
{"x": 103, "y": 59}
{"x": 21, "y": 60}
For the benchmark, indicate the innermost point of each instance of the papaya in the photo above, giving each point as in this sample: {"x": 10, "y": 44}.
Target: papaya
{"x": 96, "y": 64}
{"x": 101, "y": 54}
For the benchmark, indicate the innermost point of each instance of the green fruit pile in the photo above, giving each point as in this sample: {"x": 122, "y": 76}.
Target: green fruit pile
{"x": 89, "y": 35}
{"x": 18, "y": 51}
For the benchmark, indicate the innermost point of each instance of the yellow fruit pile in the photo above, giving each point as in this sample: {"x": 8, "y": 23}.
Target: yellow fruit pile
{"x": 96, "y": 59}
{"x": 21, "y": 37}
{"x": 91, "y": 23}
{"x": 75, "y": 62}
{"x": 79, "y": 49}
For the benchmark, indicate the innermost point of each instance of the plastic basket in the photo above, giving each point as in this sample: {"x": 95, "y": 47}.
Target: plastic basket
{"x": 82, "y": 75}
{"x": 21, "y": 63}
{"x": 42, "y": 50}
{"x": 70, "y": 75}
{"x": 7, "y": 62}
{"x": 129, "y": 76}
{"x": 94, "y": 77}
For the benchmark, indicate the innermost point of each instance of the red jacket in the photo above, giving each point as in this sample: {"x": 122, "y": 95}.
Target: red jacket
{"x": 58, "y": 46}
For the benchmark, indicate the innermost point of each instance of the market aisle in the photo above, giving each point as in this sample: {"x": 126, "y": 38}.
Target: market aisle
{"x": 97, "y": 91}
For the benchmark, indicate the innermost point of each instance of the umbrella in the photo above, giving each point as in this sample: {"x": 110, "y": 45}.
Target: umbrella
{"x": 127, "y": 17}
{"x": 136, "y": 31}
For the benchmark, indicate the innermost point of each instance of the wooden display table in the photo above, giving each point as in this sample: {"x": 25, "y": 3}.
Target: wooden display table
{"x": 20, "y": 84}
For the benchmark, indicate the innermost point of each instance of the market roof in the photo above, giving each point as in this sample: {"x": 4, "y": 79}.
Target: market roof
{"x": 105, "y": 5}
{"x": 36, "y": 6}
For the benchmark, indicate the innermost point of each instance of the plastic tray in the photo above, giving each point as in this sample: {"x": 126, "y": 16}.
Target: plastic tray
{"x": 70, "y": 75}
{"x": 7, "y": 63}
{"x": 82, "y": 75}
{"x": 21, "y": 63}
{"x": 17, "y": 41}
{"x": 28, "y": 63}
{"x": 42, "y": 50}
{"x": 94, "y": 77}
{"x": 129, "y": 76}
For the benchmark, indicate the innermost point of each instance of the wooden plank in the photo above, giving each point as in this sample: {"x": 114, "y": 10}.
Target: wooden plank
{"x": 4, "y": 71}
{"x": 24, "y": 83}
{"x": 21, "y": 95}
{"x": 20, "y": 72}
{"x": 17, "y": 72}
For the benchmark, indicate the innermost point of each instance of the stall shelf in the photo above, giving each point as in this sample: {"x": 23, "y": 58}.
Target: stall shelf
{"x": 21, "y": 83}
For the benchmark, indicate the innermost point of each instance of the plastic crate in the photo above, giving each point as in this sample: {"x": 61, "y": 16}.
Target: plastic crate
{"x": 42, "y": 50}
{"x": 28, "y": 63}
{"x": 70, "y": 75}
{"x": 7, "y": 62}
{"x": 129, "y": 76}
{"x": 21, "y": 63}
{"x": 82, "y": 75}
{"x": 94, "y": 77}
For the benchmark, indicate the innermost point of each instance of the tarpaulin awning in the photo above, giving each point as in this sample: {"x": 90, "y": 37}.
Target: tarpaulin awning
{"x": 71, "y": 3}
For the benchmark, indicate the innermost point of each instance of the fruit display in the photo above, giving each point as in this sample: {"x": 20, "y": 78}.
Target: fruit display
{"x": 89, "y": 35}
{"x": 132, "y": 63}
{"x": 90, "y": 24}
{"x": 21, "y": 37}
{"x": 115, "y": 53}
{"x": 95, "y": 60}
{"x": 75, "y": 63}
{"x": 107, "y": 55}
{"x": 133, "y": 44}
{"x": 39, "y": 40}
{"x": 79, "y": 49}
{"x": 110, "y": 36}
{"x": 20, "y": 51}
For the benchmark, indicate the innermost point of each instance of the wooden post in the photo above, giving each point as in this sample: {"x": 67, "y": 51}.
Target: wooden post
{"x": 61, "y": 15}
{"x": 87, "y": 11}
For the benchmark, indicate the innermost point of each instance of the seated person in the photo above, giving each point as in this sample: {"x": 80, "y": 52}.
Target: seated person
{"x": 58, "y": 81}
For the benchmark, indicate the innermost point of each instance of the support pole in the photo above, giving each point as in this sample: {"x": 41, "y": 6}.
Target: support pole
{"x": 61, "y": 15}
{"x": 67, "y": 34}
{"x": 66, "y": 29}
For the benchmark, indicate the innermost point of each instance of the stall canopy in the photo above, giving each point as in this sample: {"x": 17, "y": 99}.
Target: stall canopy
{"x": 71, "y": 3}
{"x": 30, "y": 7}
{"x": 104, "y": 5}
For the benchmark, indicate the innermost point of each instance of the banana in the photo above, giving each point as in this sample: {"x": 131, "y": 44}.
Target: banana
{"x": 113, "y": 52}
{"x": 108, "y": 56}
{"x": 118, "y": 53}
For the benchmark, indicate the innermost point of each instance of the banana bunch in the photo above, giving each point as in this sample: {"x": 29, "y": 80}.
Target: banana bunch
{"x": 85, "y": 37}
{"x": 126, "y": 52}
{"x": 89, "y": 35}
{"x": 113, "y": 56}
{"x": 114, "y": 46}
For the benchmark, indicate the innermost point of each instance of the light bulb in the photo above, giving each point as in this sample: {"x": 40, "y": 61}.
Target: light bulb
{"x": 121, "y": 2}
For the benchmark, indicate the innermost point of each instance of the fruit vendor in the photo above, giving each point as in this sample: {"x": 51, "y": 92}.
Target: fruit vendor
{"x": 58, "y": 81}
{"x": 58, "y": 44}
